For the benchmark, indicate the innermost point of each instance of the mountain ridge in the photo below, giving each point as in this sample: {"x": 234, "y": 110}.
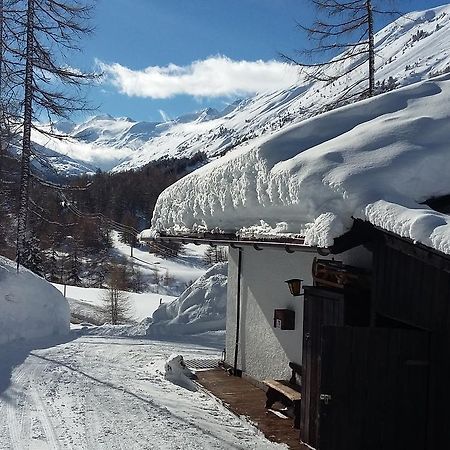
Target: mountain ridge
{"x": 412, "y": 48}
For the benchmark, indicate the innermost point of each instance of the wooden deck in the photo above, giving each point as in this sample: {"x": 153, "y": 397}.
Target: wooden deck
{"x": 243, "y": 398}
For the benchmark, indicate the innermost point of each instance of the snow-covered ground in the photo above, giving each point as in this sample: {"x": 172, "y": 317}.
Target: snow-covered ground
{"x": 91, "y": 300}
{"x": 164, "y": 279}
{"x": 97, "y": 392}
{"x": 90, "y": 389}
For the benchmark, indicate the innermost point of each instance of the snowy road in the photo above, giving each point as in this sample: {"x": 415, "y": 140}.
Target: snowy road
{"x": 97, "y": 392}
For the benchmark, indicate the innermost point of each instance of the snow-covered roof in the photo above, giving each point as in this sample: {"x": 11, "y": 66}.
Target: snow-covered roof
{"x": 376, "y": 160}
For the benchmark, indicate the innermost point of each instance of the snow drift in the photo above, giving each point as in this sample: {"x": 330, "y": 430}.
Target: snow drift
{"x": 29, "y": 306}
{"x": 200, "y": 308}
{"x": 176, "y": 371}
{"x": 377, "y": 160}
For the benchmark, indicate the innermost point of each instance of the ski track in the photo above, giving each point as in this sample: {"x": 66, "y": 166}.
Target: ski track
{"x": 17, "y": 407}
{"x": 101, "y": 393}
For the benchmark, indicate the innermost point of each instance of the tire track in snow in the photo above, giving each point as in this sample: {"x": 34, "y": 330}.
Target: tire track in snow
{"x": 92, "y": 426}
{"x": 112, "y": 420}
{"x": 45, "y": 420}
{"x": 17, "y": 410}
{"x": 51, "y": 411}
{"x": 27, "y": 411}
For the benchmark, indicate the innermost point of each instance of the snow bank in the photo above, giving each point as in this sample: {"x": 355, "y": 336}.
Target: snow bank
{"x": 176, "y": 371}
{"x": 376, "y": 160}
{"x": 201, "y": 307}
{"x": 29, "y": 306}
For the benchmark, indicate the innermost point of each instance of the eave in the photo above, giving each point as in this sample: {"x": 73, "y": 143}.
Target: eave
{"x": 287, "y": 244}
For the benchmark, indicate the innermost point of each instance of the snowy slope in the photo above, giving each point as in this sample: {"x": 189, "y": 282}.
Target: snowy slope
{"x": 410, "y": 49}
{"x": 142, "y": 305}
{"x": 165, "y": 275}
{"x": 30, "y": 307}
{"x": 201, "y": 307}
{"x": 376, "y": 160}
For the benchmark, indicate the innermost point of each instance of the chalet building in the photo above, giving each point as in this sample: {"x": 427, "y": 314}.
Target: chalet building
{"x": 362, "y": 351}
{"x": 370, "y": 333}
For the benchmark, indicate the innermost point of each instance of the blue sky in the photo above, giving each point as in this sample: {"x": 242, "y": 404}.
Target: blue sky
{"x": 169, "y": 57}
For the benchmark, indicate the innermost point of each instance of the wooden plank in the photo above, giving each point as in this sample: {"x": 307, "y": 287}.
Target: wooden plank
{"x": 245, "y": 399}
{"x": 414, "y": 380}
{"x": 417, "y": 251}
{"x": 282, "y": 387}
{"x": 334, "y": 431}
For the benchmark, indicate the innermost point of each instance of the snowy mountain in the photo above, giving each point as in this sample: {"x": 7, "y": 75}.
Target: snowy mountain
{"x": 378, "y": 160}
{"x": 412, "y": 48}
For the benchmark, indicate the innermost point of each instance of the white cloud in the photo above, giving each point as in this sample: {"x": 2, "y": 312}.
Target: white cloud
{"x": 213, "y": 77}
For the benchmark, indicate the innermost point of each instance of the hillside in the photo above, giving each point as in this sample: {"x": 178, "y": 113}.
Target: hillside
{"x": 412, "y": 48}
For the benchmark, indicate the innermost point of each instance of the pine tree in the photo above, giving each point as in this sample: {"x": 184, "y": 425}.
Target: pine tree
{"x": 74, "y": 269}
{"x": 32, "y": 255}
{"x": 215, "y": 254}
{"x": 52, "y": 272}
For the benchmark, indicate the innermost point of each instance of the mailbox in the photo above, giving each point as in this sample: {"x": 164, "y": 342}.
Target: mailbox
{"x": 284, "y": 319}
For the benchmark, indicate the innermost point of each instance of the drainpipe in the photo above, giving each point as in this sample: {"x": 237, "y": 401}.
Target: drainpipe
{"x": 238, "y": 312}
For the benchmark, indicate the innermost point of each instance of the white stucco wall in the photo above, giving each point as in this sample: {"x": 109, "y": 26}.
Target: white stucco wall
{"x": 265, "y": 351}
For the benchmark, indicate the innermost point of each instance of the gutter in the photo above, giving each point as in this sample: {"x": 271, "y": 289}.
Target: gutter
{"x": 238, "y": 315}
{"x": 289, "y": 245}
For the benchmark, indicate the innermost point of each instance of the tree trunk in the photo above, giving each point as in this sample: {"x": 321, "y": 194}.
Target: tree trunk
{"x": 2, "y": 112}
{"x": 371, "y": 48}
{"x": 26, "y": 139}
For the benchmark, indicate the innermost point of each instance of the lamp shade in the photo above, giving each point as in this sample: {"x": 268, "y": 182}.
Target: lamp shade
{"x": 295, "y": 286}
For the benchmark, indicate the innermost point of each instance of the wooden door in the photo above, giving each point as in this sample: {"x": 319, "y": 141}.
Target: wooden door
{"x": 373, "y": 389}
{"x": 322, "y": 306}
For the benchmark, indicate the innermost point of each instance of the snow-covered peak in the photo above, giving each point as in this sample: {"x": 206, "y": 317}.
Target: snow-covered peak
{"x": 377, "y": 160}
{"x": 64, "y": 126}
{"x": 198, "y": 116}
{"x": 412, "y": 48}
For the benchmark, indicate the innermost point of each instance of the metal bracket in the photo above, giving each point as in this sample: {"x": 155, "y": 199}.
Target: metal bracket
{"x": 326, "y": 398}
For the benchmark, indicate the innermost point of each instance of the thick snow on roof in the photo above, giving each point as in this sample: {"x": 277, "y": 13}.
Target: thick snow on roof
{"x": 29, "y": 306}
{"x": 376, "y": 160}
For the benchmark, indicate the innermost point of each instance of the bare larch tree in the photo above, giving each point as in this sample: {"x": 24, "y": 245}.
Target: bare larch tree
{"x": 50, "y": 86}
{"x": 343, "y": 42}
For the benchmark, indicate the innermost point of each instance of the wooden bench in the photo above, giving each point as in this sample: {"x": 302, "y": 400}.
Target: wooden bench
{"x": 286, "y": 392}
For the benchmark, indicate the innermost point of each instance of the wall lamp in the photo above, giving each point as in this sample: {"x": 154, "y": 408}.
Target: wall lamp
{"x": 295, "y": 286}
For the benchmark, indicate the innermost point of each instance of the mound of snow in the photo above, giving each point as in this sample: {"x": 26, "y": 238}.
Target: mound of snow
{"x": 29, "y": 306}
{"x": 377, "y": 160}
{"x": 200, "y": 308}
{"x": 176, "y": 371}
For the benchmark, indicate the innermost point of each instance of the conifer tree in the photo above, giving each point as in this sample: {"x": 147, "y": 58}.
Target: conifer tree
{"x": 32, "y": 255}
